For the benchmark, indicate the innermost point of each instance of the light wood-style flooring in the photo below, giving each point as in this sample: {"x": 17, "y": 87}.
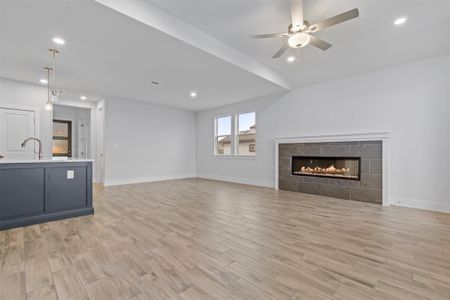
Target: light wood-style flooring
{"x": 200, "y": 239}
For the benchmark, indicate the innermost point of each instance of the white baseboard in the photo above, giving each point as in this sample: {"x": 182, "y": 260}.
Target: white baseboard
{"x": 420, "y": 204}
{"x": 237, "y": 180}
{"x": 146, "y": 179}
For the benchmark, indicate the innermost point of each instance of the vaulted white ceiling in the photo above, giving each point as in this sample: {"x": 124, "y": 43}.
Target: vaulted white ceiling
{"x": 368, "y": 43}
{"x": 115, "y": 48}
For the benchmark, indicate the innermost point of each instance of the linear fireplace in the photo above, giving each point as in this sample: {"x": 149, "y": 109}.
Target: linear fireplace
{"x": 329, "y": 167}
{"x": 325, "y": 162}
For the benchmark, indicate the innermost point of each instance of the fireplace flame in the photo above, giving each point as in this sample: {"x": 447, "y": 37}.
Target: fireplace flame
{"x": 331, "y": 170}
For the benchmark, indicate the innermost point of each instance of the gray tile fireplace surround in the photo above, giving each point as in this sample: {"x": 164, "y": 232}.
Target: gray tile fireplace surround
{"x": 368, "y": 189}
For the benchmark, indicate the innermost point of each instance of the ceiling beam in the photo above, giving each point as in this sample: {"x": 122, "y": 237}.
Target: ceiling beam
{"x": 150, "y": 15}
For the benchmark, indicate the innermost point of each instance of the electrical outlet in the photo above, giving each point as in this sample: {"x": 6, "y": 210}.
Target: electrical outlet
{"x": 70, "y": 174}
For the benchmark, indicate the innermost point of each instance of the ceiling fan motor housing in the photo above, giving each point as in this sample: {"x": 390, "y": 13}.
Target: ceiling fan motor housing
{"x": 303, "y": 28}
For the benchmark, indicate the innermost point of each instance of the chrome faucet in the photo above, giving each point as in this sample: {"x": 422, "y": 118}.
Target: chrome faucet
{"x": 39, "y": 143}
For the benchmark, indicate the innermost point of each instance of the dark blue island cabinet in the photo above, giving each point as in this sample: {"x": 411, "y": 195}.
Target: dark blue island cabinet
{"x": 41, "y": 191}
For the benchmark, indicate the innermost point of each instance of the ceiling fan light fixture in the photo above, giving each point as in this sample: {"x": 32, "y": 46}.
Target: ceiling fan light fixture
{"x": 299, "y": 40}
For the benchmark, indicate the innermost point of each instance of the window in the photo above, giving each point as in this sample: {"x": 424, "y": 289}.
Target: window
{"x": 246, "y": 134}
{"x": 62, "y": 138}
{"x": 223, "y": 135}
{"x": 235, "y": 135}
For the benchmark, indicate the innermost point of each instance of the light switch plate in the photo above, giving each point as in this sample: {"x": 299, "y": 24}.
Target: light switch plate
{"x": 70, "y": 174}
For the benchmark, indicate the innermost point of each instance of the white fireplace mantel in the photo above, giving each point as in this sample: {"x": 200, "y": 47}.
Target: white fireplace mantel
{"x": 383, "y": 136}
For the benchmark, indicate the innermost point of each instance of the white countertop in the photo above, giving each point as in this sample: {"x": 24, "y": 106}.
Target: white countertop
{"x": 36, "y": 161}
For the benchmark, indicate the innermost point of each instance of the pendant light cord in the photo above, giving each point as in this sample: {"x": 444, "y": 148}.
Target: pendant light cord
{"x": 54, "y": 70}
{"x": 48, "y": 85}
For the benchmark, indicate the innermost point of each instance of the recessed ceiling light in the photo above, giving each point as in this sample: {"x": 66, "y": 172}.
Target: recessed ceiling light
{"x": 83, "y": 97}
{"x": 400, "y": 21}
{"x": 43, "y": 81}
{"x": 290, "y": 59}
{"x": 59, "y": 41}
{"x": 193, "y": 94}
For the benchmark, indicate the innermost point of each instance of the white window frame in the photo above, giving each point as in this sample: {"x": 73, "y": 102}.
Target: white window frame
{"x": 233, "y": 137}
{"x": 216, "y": 118}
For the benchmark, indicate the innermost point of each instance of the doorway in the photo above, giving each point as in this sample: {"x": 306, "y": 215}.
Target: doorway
{"x": 71, "y": 132}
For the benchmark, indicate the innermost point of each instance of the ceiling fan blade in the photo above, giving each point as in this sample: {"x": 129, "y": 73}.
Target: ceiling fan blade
{"x": 281, "y": 50}
{"x": 319, "y": 43}
{"x": 268, "y": 35}
{"x": 351, "y": 14}
{"x": 297, "y": 14}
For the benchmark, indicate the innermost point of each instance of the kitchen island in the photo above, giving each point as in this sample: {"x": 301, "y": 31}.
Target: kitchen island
{"x": 37, "y": 191}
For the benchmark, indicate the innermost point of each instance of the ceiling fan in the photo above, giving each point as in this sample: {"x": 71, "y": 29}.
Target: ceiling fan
{"x": 300, "y": 32}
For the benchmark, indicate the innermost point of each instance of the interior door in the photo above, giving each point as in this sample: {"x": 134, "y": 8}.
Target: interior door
{"x": 15, "y": 126}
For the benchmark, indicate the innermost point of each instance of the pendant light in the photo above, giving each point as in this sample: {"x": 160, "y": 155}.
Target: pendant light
{"x": 49, "y": 104}
{"x": 54, "y": 92}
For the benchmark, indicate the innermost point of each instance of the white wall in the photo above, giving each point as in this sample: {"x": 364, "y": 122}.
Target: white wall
{"x": 145, "y": 142}
{"x": 410, "y": 101}
{"x": 28, "y": 96}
